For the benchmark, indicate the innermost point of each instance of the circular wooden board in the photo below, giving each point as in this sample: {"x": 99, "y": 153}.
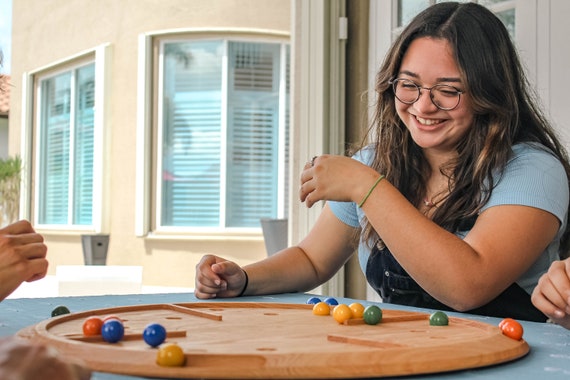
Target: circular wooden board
{"x": 269, "y": 340}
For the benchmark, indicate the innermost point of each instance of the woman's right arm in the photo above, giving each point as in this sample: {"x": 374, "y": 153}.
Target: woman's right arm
{"x": 326, "y": 248}
{"x": 22, "y": 256}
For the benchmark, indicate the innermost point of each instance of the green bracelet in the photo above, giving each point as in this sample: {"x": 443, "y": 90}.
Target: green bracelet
{"x": 371, "y": 190}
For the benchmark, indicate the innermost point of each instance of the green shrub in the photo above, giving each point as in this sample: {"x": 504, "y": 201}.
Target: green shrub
{"x": 10, "y": 175}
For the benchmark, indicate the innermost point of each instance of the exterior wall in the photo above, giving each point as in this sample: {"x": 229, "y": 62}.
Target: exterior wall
{"x": 47, "y": 32}
{"x": 553, "y": 58}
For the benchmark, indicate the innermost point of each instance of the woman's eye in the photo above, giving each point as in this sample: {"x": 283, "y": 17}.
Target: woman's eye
{"x": 451, "y": 92}
{"x": 409, "y": 86}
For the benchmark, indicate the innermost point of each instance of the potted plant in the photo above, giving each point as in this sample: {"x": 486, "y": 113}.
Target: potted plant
{"x": 10, "y": 175}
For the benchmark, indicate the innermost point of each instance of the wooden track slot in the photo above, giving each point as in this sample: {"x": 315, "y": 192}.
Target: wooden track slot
{"x": 363, "y": 342}
{"x": 390, "y": 318}
{"x": 99, "y": 338}
{"x": 196, "y": 313}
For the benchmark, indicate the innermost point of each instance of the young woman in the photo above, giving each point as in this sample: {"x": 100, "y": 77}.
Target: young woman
{"x": 459, "y": 198}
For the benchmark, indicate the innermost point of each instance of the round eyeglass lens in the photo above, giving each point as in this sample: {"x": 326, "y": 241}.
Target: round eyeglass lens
{"x": 443, "y": 96}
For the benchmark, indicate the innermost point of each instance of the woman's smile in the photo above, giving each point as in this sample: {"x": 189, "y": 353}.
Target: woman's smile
{"x": 428, "y": 122}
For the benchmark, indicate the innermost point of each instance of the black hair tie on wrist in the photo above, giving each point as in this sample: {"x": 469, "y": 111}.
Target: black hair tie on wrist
{"x": 246, "y": 282}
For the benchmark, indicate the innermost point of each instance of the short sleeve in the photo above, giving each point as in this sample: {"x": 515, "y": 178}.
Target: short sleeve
{"x": 348, "y": 212}
{"x": 533, "y": 177}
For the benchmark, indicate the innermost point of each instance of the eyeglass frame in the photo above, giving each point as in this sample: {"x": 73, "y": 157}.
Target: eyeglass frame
{"x": 394, "y": 82}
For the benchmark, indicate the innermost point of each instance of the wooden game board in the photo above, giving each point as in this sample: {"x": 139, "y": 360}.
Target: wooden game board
{"x": 267, "y": 340}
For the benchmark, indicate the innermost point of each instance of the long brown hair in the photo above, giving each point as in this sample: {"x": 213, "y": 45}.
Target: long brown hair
{"x": 505, "y": 109}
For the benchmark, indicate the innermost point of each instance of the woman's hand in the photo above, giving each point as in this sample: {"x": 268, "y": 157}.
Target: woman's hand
{"x": 335, "y": 178}
{"x": 552, "y": 294}
{"x": 217, "y": 277}
{"x": 26, "y": 361}
{"x": 22, "y": 256}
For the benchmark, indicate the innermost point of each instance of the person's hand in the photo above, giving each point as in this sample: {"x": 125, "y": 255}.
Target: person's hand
{"x": 217, "y": 277}
{"x": 335, "y": 178}
{"x": 20, "y": 360}
{"x": 552, "y": 294}
{"x": 22, "y": 256}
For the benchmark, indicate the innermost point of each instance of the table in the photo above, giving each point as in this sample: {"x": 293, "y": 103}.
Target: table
{"x": 549, "y": 356}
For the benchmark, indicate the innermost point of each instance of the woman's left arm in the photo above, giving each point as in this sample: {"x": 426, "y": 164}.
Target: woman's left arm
{"x": 462, "y": 273}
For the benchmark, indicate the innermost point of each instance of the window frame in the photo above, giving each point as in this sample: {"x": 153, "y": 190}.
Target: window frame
{"x": 31, "y": 130}
{"x": 385, "y": 14}
{"x": 148, "y": 196}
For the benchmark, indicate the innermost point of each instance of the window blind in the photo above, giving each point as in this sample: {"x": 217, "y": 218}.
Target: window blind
{"x": 253, "y": 132}
{"x": 220, "y": 133}
{"x": 66, "y": 148}
{"x": 192, "y": 134}
{"x": 54, "y": 170}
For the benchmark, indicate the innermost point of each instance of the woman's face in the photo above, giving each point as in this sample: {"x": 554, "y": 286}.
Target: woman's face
{"x": 429, "y": 62}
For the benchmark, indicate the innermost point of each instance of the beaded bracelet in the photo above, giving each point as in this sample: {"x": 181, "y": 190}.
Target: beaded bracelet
{"x": 246, "y": 282}
{"x": 371, "y": 189}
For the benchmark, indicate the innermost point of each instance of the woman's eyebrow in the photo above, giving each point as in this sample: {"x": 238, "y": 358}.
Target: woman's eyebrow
{"x": 449, "y": 79}
{"x": 409, "y": 73}
{"x": 441, "y": 79}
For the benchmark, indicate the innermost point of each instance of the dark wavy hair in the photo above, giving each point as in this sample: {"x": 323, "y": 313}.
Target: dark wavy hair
{"x": 505, "y": 107}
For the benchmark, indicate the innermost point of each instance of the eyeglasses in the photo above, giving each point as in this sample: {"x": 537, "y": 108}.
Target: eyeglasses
{"x": 445, "y": 97}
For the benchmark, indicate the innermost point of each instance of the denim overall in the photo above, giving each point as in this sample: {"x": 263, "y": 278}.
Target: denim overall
{"x": 387, "y": 277}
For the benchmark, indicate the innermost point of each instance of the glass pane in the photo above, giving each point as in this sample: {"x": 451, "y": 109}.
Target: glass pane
{"x": 54, "y": 149}
{"x": 287, "y": 127}
{"x": 489, "y": 3}
{"x": 505, "y": 11}
{"x": 197, "y": 176}
{"x": 83, "y": 162}
{"x": 408, "y": 9}
{"x": 191, "y": 145}
{"x": 253, "y": 133}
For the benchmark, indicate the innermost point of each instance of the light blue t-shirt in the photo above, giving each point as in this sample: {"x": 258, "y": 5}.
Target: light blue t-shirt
{"x": 533, "y": 177}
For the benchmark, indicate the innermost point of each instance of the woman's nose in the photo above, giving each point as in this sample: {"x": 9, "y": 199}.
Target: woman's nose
{"x": 425, "y": 103}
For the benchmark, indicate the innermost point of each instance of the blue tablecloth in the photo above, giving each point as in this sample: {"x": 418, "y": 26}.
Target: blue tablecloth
{"x": 549, "y": 356}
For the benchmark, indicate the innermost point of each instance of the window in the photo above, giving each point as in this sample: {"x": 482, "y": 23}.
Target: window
{"x": 63, "y": 142}
{"x": 65, "y": 147}
{"x": 221, "y": 137}
{"x": 504, "y": 9}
